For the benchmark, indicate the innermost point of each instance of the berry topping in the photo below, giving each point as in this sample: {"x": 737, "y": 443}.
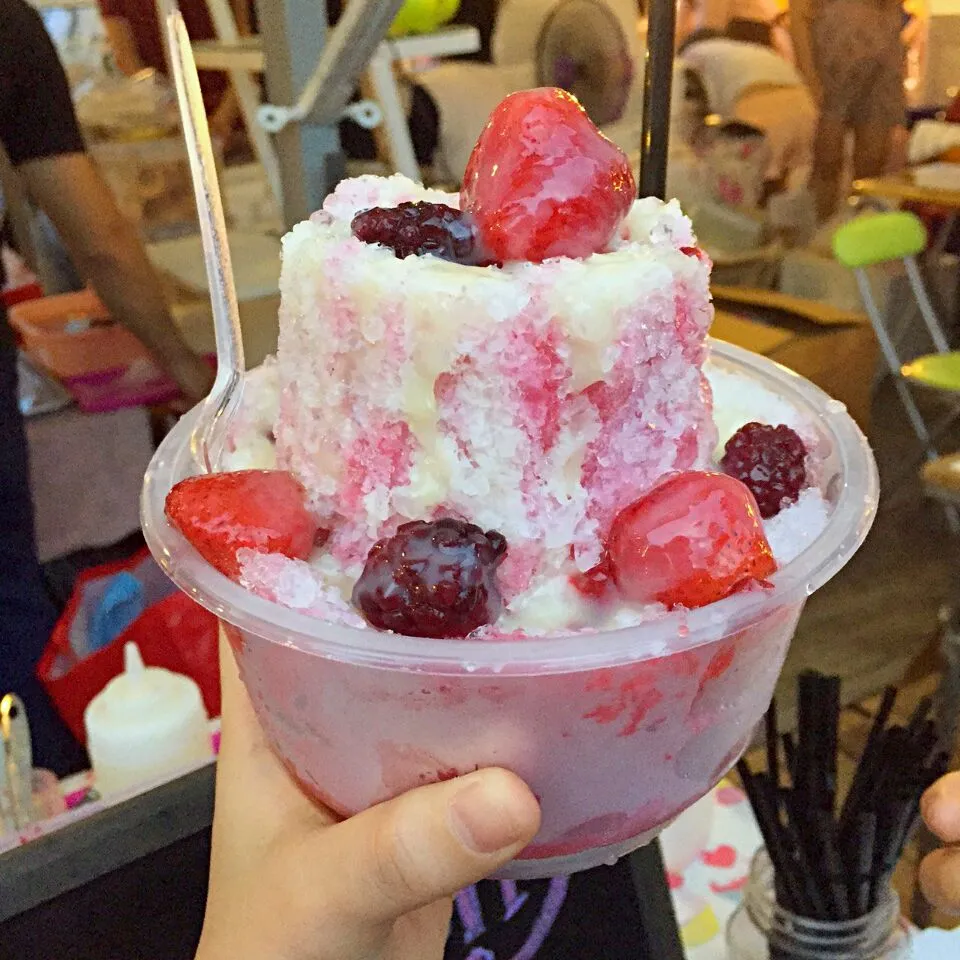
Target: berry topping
{"x": 771, "y": 461}
{"x": 693, "y": 539}
{"x": 432, "y": 579}
{"x": 416, "y": 229}
{"x": 543, "y": 181}
{"x": 263, "y": 510}
{"x": 595, "y": 583}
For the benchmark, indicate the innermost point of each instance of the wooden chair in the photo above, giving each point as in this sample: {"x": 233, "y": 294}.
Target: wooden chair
{"x": 832, "y": 347}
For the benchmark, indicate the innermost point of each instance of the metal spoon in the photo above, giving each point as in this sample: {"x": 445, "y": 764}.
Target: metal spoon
{"x": 210, "y": 430}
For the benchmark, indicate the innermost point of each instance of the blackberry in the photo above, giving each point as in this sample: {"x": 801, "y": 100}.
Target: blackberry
{"x": 432, "y": 579}
{"x": 770, "y": 461}
{"x": 418, "y": 229}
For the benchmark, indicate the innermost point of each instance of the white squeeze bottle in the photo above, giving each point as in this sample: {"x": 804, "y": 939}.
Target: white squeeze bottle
{"x": 145, "y": 724}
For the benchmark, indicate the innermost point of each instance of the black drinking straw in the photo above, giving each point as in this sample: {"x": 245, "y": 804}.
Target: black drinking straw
{"x": 825, "y": 831}
{"x": 790, "y": 752}
{"x": 657, "y": 92}
{"x": 887, "y": 701}
{"x": 773, "y": 744}
{"x": 832, "y": 867}
{"x": 901, "y": 825}
{"x": 868, "y": 761}
{"x": 862, "y": 842}
{"x": 769, "y": 824}
{"x": 891, "y": 773}
{"x": 808, "y": 722}
{"x": 927, "y": 741}
{"x": 830, "y": 688}
{"x": 895, "y": 836}
{"x": 919, "y": 717}
{"x": 806, "y": 864}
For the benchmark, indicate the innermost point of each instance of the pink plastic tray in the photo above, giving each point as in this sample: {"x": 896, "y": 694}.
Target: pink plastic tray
{"x": 139, "y": 385}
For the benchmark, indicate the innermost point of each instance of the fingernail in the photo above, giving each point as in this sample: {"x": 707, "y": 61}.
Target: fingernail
{"x": 482, "y": 821}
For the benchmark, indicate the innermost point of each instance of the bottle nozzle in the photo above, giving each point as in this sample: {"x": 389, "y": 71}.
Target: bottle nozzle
{"x": 132, "y": 661}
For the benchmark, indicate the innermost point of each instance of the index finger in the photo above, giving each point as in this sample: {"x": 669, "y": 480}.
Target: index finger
{"x": 255, "y": 783}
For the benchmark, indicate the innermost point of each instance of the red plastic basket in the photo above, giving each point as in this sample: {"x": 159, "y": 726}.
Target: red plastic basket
{"x": 173, "y": 632}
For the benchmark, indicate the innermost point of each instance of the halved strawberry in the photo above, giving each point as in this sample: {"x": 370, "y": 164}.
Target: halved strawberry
{"x": 693, "y": 539}
{"x": 221, "y": 513}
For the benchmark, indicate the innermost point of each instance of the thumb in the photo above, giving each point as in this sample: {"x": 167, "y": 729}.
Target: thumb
{"x": 427, "y": 844}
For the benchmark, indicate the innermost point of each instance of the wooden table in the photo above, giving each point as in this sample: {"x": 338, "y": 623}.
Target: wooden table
{"x": 903, "y": 188}
{"x": 129, "y": 881}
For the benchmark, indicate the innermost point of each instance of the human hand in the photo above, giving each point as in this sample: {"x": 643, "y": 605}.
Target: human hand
{"x": 290, "y": 881}
{"x": 192, "y": 374}
{"x": 940, "y": 871}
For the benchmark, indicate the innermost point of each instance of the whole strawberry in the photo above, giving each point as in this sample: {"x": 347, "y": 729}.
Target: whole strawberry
{"x": 692, "y": 540}
{"x": 221, "y": 513}
{"x": 544, "y": 182}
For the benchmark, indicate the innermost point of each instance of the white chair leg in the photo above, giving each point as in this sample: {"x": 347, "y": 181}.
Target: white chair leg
{"x": 894, "y": 363}
{"x": 926, "y": 307}
{"x": 383, "y": 84}
{"x": 248, "y": 95}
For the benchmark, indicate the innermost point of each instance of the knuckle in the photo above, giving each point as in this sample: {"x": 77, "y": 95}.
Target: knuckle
{"x": 396, "y": 871}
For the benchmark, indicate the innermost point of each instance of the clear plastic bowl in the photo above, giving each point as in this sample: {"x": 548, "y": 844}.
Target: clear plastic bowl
{"x": 616, "y": 732}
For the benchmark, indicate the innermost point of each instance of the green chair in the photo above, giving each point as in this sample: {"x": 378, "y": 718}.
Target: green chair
{"x": 938, "y": 370}
{"x": 882, "y": 238}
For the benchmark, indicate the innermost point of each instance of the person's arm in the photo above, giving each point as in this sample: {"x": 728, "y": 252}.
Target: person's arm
{"x": 106, "y": 250}
{"x": 43, "y": 141}
{"x": 123, "y": 44}
{"x": 782, "y": 41}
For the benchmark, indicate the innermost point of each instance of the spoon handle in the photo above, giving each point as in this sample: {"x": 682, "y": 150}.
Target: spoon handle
{"x": 213, "y": 233}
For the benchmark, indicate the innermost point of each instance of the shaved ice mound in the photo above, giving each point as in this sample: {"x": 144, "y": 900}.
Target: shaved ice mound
{"x": 537, "y": 399}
